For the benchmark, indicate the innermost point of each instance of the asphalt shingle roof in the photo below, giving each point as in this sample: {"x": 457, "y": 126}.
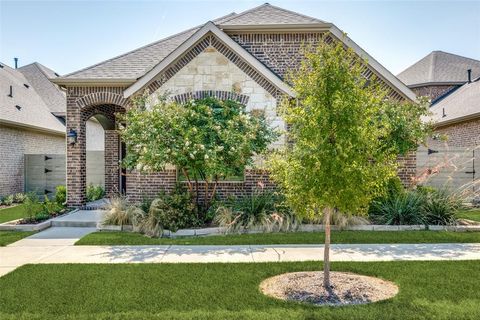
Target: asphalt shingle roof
{"x": 33, "y": 111}
{"x": 134, "y": 64}
{"x": 440, "y": 67}
{"x": 38, "y": 76}
{"x": 268, "y": 14}
{"x": 463, "y": 102}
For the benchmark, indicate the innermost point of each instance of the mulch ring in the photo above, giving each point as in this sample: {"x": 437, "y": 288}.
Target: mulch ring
{"x": 346, "y": 288}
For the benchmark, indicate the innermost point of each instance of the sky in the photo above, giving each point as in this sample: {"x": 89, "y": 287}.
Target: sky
{"x": 69, "y": 35}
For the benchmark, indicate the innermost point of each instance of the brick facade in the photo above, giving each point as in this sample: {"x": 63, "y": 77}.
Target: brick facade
{"x": 463, "y": 135}
{"x": 14, "y": 144}
{"x": 433, "y": 92}
{"x": 208, "y": 66}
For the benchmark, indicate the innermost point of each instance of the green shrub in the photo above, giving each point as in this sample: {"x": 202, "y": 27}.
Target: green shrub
{"x": 41, "y": 216}
{"x": 405, "y": 208}
{"x": 8, "y": 200}
{"x": 32, "y": 205}
{"x": 50, "y": 207}
{"x": 19, "y": 197}
{"x": 61, "y": 195}
{"x": 262, "y": 210}
{"x": 95, "y": 192}
{"x": 170, "y": 212}
{"x": 440, "y": 206}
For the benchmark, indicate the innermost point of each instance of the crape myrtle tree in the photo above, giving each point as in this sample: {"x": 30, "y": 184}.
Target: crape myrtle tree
{"x": 345, "y": 134}
{"x": 206, "y": 139}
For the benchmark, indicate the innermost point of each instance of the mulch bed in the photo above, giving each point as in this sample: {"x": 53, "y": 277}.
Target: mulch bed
{"x": 346, "y": 289}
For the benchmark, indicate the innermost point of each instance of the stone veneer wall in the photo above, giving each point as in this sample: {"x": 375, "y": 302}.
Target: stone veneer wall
{"x": 14, "y": 143}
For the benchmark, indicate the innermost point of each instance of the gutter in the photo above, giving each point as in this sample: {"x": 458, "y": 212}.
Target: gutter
{"x": 472, "y": 116}
{"x": 32, "y": 127}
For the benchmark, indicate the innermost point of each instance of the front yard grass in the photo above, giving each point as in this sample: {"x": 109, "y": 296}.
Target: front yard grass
{"x": 353, "y": 237}
{"x": 470, "y": 214}
{"x": 13, "y": 213}
{"x": 428, "y": 290}
{"x": 7, "y": 237}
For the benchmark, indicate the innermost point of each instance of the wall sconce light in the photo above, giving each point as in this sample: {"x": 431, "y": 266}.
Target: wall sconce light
{"x": 72, "y": 137}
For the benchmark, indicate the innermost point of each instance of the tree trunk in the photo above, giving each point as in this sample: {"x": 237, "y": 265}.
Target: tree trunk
{"x": 326, "y": 251}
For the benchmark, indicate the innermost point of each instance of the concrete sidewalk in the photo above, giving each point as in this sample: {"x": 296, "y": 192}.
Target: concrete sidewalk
{"x": 55, "y": 245}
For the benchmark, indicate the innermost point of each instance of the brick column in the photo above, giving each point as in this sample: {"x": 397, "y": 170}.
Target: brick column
{"x": 112, "y": 158}
{"x": 76, "y": 158}
{"x": 407, "y": 168}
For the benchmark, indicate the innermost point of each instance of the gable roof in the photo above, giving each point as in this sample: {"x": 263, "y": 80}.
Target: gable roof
{"x": 33, "y": 112}
{"x": 38, "y": 76}
{"x": 268, "y": 14}
{"x": 126, "y": 69}
{"x": 460, "y": 105}
{"x": 440, "y": 67}
{"x": 209, "y": 27}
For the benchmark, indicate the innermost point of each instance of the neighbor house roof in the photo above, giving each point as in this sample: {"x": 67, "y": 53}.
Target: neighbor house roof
{"x": 135, "y": 65}
{"x": 38, "y": 76}
{"x": 24, "y": 107}
{"x": 462, "y": 104}
{"x": 440, "y": 68}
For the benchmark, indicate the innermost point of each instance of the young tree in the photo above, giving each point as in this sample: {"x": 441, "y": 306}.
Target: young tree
{"x": 206, "y": 139}
{"x": 345, "y": 134}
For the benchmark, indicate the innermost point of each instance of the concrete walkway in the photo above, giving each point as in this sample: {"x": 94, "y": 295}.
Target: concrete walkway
{"x": 55, "y": 245}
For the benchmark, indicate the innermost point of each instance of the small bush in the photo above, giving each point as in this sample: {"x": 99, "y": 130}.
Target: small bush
{"x": 398, "y": 209}
{"x": 95, "y": 192}
{"x": 8, "y": 200}
{"x": 440, "y": 207}
{"x": 32, "y": 205}
{"x": 262, "y": 210}
{"x": 19, "y": 197}
{"x": 171, "y": 212}
{"x": 50, "y": 208}
{"x": 61, "y": 195}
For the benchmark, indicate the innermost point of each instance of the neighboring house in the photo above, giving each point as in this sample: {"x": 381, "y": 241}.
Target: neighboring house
{"x": 32, "y": 121}
{"x": 438, "y": 73}
{"x": 239, "y": 56}
{"x": 452, "y": 82}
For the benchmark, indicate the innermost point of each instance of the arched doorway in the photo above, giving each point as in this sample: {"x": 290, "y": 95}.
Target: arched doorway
{"x": 93, "y": 107}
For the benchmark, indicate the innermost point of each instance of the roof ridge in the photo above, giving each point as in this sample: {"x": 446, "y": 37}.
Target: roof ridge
{"x": 266, "y": 4}
{"x": 142, "y": 47}
{"x": 454, "y": 54}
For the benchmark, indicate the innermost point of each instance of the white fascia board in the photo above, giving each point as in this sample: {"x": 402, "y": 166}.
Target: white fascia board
{"x": 31, "y": 127}
{"x": 197, "y": 36}
{"x": 387, "y": 75}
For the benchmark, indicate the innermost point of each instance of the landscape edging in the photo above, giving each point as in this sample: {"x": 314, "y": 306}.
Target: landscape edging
{"x": 9, "y": 226}
{"x": 301, "y": 228}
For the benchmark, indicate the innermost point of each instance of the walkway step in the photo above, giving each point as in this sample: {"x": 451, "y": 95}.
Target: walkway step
{"x": 74, "y": 224}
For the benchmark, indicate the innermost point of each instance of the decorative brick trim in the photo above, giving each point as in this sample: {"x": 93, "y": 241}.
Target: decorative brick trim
{"x": 102, "y": 98}
{"x": 212, "y": 41}
{"x": 222, "y": 95}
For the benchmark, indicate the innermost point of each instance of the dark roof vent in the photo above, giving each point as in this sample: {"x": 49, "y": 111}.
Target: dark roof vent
{"x": 469, "y": 73}
{"x": 18, "y": 107}
{"x": 1, "y": 65}
{"x": 16, "y": 62}
{"x": 26, "y": 85}
{"x": 57, "y": 74}
{"x": 11, "y": 92}
{"x": 444, "y": 114}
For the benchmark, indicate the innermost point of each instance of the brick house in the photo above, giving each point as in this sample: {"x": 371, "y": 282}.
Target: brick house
{"x": 241, "y": 56}
{"x": 32, "y": 121}
{"x": 452, "y": 83}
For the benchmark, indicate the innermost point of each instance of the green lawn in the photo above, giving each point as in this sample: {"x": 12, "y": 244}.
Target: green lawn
{"x": 472, "y": 214}
{"x": 7, "y": 237}
{"x": 428, "y": 290}
{"x": 12, "y": 213}
{"x": 129, "y": 238}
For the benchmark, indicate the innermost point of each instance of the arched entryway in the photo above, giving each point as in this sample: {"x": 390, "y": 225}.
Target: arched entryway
{"x": 100, "y": 107}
